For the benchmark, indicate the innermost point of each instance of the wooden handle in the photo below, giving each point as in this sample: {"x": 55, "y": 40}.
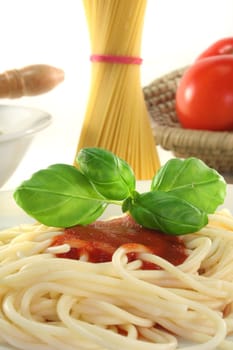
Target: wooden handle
{"x": 29, "y": 81}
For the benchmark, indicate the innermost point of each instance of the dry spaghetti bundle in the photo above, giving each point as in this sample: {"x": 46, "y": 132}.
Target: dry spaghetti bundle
{"x": 116, "y": 116}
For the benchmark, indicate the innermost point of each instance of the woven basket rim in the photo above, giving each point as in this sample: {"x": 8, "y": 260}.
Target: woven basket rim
{"x": 159, "y": 95}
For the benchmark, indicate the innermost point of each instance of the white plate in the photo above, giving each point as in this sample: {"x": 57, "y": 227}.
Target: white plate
{"x": 11, "y": 215}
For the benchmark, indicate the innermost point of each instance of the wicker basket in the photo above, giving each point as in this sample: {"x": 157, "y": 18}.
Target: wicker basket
{"x": 214, "y": 148}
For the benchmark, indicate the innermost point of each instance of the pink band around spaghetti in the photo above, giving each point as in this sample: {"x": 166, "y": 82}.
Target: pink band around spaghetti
{"x": 116, "y": 59}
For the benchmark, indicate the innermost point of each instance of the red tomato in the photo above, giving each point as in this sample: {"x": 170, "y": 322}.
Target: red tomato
{"x": 204, "y": 97}
{"x": 221, "y": 47}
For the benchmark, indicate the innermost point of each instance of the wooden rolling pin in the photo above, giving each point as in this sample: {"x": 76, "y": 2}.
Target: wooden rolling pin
{"x": 29, "y": 81}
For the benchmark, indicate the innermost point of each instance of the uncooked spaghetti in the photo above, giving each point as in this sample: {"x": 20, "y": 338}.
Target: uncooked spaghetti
{"x": 116, "y": 116}
{"x": 51, "y": 303}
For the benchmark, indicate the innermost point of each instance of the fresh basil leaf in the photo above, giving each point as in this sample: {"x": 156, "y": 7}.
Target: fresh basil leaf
{"x": 192, "y": 180}
{"x": 111, "y": 175}
{"x": 165, "y": 212}
{"x": 60, "y": 196}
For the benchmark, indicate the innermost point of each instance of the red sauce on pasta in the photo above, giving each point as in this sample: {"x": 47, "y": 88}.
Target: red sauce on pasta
{"x": 99, "y": 240}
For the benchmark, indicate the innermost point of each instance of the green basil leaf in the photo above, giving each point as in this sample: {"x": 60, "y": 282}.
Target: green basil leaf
{"x": 111, "y": 175}
{"x": 165, "y": 212}
{"x": 192, "y": 180}
{"x": 60, "y": 196}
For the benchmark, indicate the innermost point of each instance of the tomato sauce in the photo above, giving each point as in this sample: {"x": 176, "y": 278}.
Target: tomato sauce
{"x": 99, "y": 240}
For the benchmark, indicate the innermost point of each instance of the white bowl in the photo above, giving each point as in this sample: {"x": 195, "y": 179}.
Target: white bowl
{"x": 18, "y": 125}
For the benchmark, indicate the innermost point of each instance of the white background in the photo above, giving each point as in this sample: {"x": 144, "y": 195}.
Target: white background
{"x": 54, "y": 32}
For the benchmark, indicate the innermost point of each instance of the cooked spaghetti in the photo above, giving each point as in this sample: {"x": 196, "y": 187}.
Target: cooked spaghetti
{"x": 116, "y": 117}
{"x": 52, "y": 303}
